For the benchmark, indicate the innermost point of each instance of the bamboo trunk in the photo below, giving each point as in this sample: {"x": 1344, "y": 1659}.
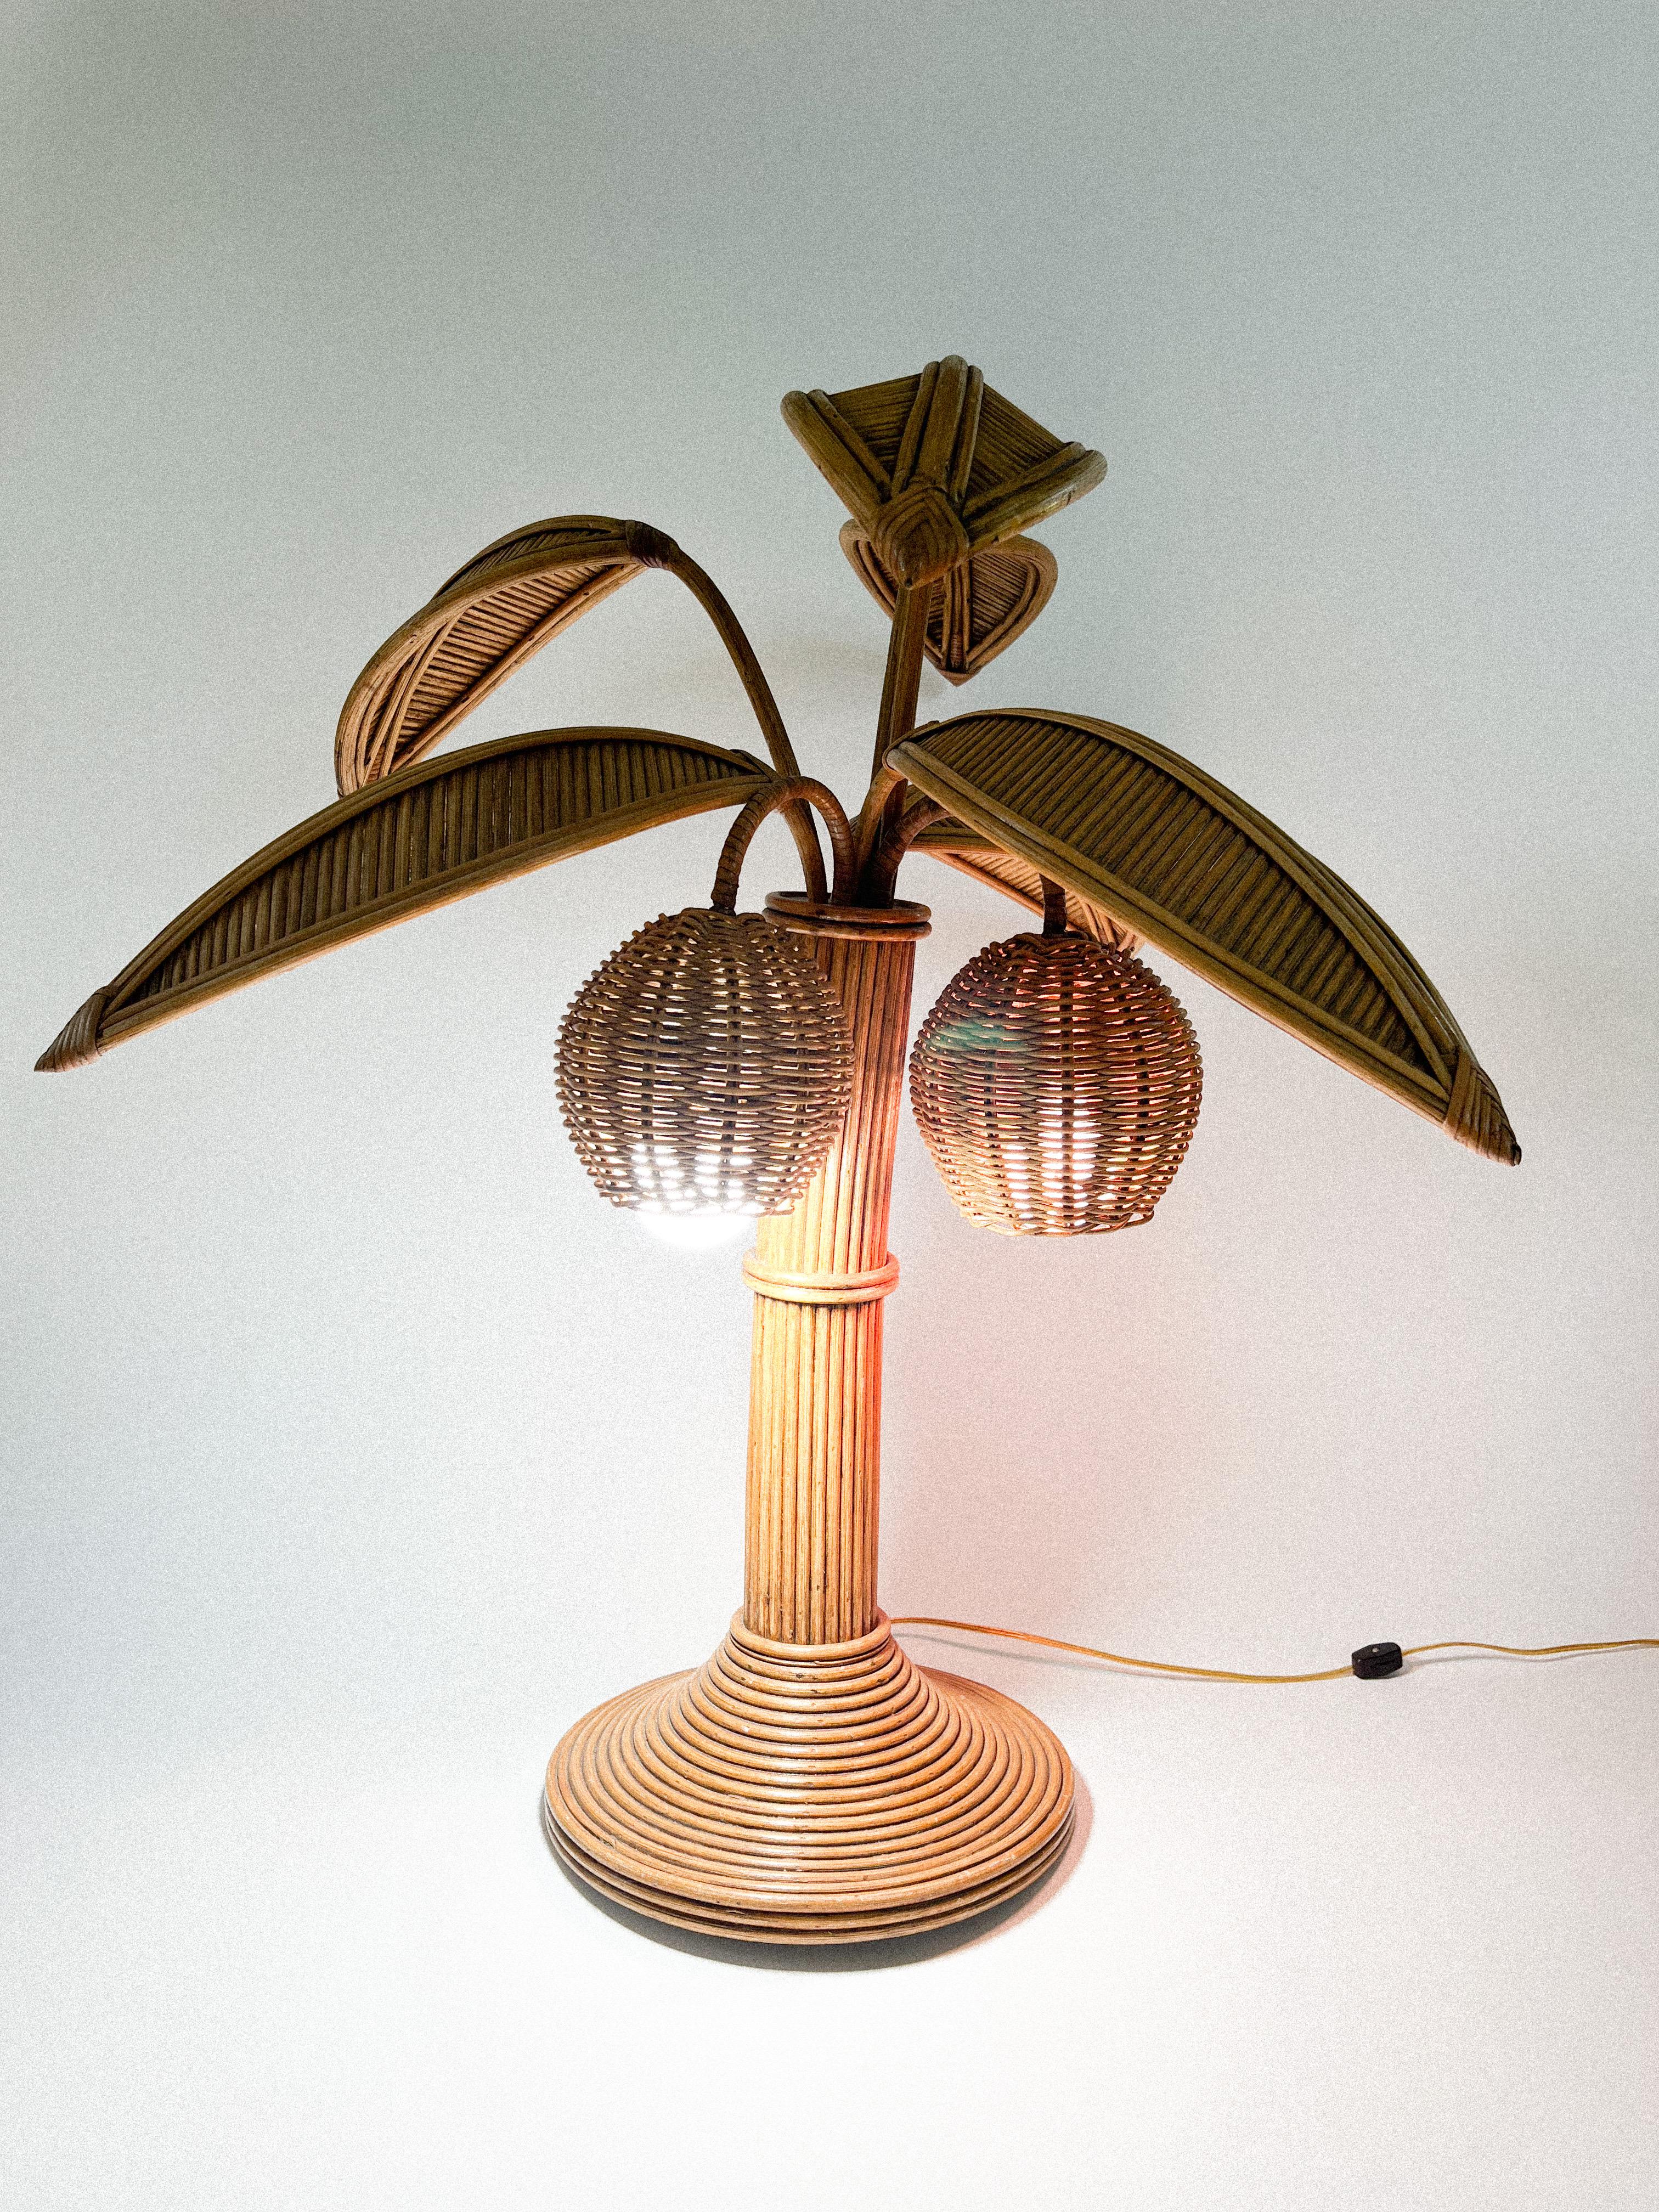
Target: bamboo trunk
{"x": 820, "y": 1276}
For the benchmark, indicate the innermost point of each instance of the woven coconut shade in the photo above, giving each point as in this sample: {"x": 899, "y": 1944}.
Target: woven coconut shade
{"x": 1056, "y": 1083}
{"x": 704, "y": 1068}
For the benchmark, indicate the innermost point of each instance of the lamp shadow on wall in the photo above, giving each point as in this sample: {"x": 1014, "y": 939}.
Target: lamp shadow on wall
{"x": 853, "y": 1958}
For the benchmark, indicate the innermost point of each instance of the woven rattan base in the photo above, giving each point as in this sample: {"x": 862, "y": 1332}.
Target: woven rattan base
{"x": 831, "y": 1793}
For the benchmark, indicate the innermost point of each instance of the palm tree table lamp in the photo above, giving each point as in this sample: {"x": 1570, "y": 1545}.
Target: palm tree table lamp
{"x": 809, "y": 1783}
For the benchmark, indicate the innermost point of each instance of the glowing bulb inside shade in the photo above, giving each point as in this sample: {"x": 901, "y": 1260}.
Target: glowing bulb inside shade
{"x": 696, "y": 1232}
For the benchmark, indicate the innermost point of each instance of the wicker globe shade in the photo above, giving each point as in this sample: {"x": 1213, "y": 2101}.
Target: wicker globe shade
{"x": 1056, "y": 1083}
{"x": 704, "y": 1068}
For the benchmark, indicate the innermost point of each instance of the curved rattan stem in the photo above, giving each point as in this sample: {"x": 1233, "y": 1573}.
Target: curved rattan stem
{"x": 790, "y": 792}
{"x": 876, "y": 877}
{"x": 901, "y": 681}
{"x": 872, "y": 817}
{"x": 713, "y": 601}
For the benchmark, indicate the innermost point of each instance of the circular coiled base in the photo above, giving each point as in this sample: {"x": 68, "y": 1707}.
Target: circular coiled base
{"x": 829, "y": 1793}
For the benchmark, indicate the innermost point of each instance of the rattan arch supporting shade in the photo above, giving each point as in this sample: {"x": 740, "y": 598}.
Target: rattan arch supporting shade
{"x": 705, "y": 1068}
{"x": 1056, "y": 1084}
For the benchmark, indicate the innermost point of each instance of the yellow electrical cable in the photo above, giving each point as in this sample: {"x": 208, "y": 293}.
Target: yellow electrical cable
{"x": 1226, "y": 1674}
{"x": 1541, "y": 1650}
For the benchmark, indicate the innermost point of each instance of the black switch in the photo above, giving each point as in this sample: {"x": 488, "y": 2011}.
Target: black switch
{"x": 1372, "y": 1661}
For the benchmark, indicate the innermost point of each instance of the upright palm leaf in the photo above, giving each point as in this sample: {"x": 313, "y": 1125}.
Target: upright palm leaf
{"x": 484, "y": 622}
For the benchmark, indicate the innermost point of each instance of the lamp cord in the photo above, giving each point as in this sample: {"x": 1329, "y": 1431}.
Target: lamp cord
{"x": 1227, "y": 1674}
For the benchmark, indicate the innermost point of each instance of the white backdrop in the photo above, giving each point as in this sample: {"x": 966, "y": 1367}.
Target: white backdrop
{"x": 353, "y": 1449}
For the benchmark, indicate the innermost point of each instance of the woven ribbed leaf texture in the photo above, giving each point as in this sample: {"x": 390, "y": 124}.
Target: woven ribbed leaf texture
{"x": 432, "y": 833}
{"x": 480, "y": 624}
{"x": 976, "y": 610}
{"x": 1183, "y": 861}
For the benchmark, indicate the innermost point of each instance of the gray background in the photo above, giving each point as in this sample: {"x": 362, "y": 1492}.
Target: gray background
{"x": 352, "y": 1448}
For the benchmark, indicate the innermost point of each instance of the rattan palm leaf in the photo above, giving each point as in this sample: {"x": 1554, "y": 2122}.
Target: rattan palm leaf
{"x": 432, "y": 833}
{"x": 976, "y": 610}
{"x": 1190, "y": 866}
{"x": 484, "y": 622}
{"x": 935, "y": 467}
{"x": 1003, "y": 471}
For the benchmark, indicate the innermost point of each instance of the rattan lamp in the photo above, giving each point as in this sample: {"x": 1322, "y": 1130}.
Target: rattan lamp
{"x": 809, "y": 1783}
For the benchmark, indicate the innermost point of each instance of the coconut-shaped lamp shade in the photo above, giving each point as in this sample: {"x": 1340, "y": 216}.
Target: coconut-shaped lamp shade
{"x": 1056, "y": 1084}
{"x": 705, "y": 1068}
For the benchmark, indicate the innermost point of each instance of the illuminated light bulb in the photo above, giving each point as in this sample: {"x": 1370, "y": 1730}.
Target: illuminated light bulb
{"x": 695, "y": 1232}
